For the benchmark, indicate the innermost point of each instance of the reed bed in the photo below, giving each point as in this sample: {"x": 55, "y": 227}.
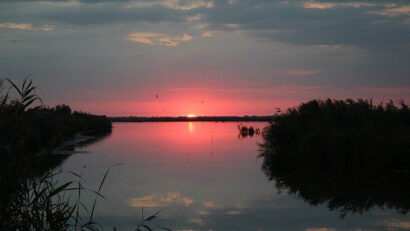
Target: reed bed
{"x": 350, "y": 154}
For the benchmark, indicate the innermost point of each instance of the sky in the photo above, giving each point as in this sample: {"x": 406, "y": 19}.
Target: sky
{"x": 205, "y": 57}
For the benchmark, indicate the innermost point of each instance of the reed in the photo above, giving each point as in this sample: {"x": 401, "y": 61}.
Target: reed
{"x": 245, "y": 131}
{"x": 350, "y": 154}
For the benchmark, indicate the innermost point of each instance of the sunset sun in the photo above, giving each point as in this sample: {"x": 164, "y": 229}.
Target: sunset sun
{"x": 191, "y": 115}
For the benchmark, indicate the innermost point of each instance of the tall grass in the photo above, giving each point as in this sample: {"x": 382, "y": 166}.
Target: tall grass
{"x": 3, "y": 96}
{"x": 40, "y": 204}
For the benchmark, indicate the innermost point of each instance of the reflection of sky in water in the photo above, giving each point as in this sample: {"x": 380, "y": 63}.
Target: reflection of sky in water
{"x": 204, "y": 178}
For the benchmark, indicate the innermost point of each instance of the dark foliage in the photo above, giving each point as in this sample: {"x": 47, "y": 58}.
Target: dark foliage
{"x": 43, "y": 127}
{"x": 29, "y": 131}
{"x": 351, "y": 154}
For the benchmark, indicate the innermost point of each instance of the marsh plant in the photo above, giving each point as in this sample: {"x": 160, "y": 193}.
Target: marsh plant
{"x": 40, "y": 203}
{"x": 31, "y": 197}
{"x": 27, "y": 126}
{"x": 29, "y": 131}
{"x": 245, "y": 131}
{"x": 349, "y": 154}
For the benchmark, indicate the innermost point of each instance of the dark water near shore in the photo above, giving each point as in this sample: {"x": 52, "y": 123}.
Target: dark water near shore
{"x": 203, "y": 177}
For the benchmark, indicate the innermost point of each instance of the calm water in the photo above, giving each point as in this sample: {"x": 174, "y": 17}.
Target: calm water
{"x": 203, "y": 177}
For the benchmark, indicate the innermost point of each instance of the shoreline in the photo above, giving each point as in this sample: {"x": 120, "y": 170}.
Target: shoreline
{"x": 67, "y": 147}
{"x": 194, "y": 119}
{"x": 79, "y": 140}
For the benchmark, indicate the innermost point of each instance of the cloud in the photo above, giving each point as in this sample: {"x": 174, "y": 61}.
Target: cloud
{"x": 143, "y": 37}
{"x": 391, "y": 91}
{"x": 329, "y": 5}
{"x": 25, "y": 26}
{"x": 173, "y": 4}
{"x": 109, "y": 13}
{"x": 336, "y": 46}
{"x": 210, "y": 204}
{"x": 197, "y": 221}
{"x": 208, "y": 34}
{"x": 150, "y": 38}
{"x": 299, "y": 72}
{"x": 195, "y": 18}
{"x": 294, "y": 72}
{"x": 47, "y": 28}
{"x": 398, "y": 224}
{"x": 160, "y": 200}
{"x": 187, "y": 201}
{"x": 16, "y": 26}
{"x": 62, "y": 3}
{"x": 232, "y": 25}
{"x": 233, "y": 212}
{"x": 394, "y": 11}
{"x": 203, "y": 212}
{"x": 202, "y": 26}
{"x": 320, "y": 229}
{"x": 351, "y": 23}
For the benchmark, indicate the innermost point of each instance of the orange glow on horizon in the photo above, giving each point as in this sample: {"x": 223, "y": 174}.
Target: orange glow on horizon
{"x": 191, "y": 115}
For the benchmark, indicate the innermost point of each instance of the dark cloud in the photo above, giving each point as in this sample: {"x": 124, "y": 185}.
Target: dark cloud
{"x": 113, "y": 13}
{"x": 269, "y": 20}
{"x": 357, "y": 26}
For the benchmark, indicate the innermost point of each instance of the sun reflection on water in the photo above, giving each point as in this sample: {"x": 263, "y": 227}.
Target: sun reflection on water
{"x": 191, "y": 127}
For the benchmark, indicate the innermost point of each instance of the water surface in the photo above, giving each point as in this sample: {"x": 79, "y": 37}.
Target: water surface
{"x": 202, "y": 176}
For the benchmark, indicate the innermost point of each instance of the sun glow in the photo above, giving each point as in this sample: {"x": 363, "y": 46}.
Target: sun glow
{"x": 191, "y": 115}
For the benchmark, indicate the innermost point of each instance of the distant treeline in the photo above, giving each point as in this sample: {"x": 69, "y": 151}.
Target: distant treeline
{"x": 198, "y": 118}
{"x": 350, "y": 154}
